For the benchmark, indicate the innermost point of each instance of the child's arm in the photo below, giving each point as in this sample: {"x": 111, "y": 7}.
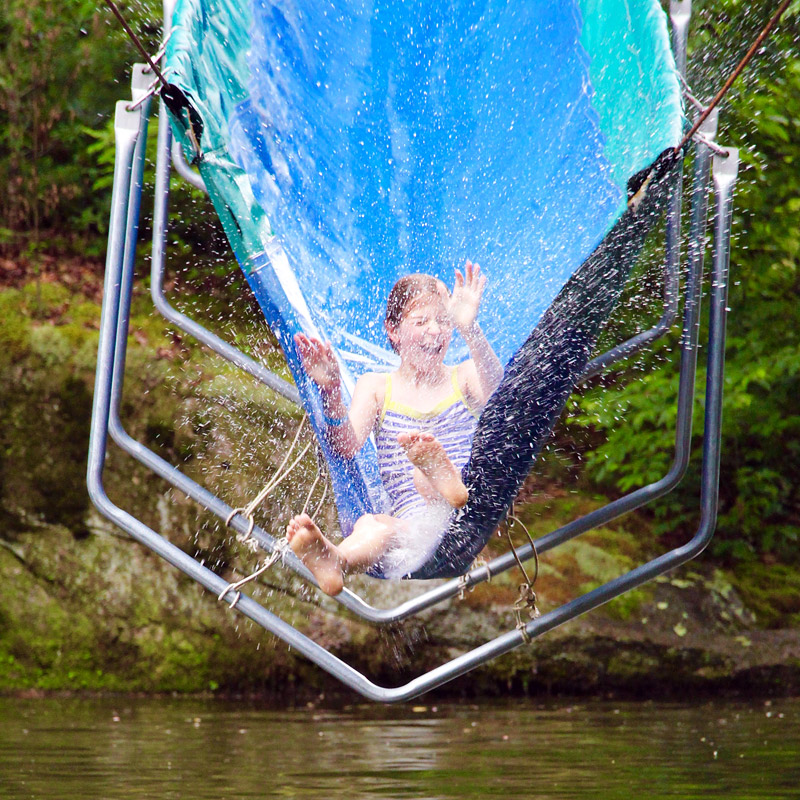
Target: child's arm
{"x": 482, "y": 374}
{"x": 346, "y": 432}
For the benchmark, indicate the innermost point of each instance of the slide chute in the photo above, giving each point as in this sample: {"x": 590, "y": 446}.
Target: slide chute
{"x": 345, "y": 144}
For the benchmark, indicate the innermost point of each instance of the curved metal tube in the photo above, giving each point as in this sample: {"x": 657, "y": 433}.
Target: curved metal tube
{"x": 184, "y": 170}
{"x": 725, "y": 173}
{"x": 127, "y": 134}
{"x": 680, "y": 13}
{"x": 211, "y": 340}
{"x": 686, "y": 386}
{"x": 449, "y": 589}
{"x": 125, "y": 202}
{"x": 185, "y": 323}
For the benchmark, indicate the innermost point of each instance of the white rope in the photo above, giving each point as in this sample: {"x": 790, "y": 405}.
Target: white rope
{"x": 281, "y": 546}
{"x": 481, "y": 562}
{"x": 699, "y": 137}
{"x": 161, "y": 50}
{"x": 465, "y": 581}
{"x": 152, "y": 88}
{"x": 277, "y": 477}
{"x": 687, "y": 93}
{"x": 311, "y": 492}
{"x": 272, "y": 483}
{"x": 276, "y": 481}
{"x": 321, "y": 500}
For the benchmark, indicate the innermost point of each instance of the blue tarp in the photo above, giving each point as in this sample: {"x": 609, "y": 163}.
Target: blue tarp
{"x": 346, "y": 144}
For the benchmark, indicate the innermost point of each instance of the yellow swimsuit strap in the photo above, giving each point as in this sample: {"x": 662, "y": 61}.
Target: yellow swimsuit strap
{"x": 454, "y": 397}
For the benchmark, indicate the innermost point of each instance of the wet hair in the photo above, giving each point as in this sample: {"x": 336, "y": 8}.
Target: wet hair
{"x": 408, "y": 289}
{"x": 405, "y": 292}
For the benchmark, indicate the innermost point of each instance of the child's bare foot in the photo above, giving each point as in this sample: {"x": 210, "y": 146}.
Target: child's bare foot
{"x": 426, "y": 453}
{"x": 317, "y": 553}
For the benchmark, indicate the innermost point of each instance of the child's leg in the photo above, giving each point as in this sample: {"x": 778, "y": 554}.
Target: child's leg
{"x": 426, "y": 453}
{"x": 357, "y": 553}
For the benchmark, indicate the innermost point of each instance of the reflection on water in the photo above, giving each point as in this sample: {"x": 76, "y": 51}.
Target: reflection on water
{"x": 185, "y": 748}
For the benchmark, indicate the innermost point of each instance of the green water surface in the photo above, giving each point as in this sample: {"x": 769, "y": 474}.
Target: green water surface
{"x": 186, "y": 748}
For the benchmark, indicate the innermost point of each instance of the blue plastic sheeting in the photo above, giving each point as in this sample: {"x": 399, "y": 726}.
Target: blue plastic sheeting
{"x": 346, "y": 144}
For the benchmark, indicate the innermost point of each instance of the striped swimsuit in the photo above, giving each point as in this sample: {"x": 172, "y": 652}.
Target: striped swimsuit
{"x": 451, "y": 422}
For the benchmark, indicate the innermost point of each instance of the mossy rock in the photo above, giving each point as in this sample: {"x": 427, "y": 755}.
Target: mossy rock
{"x": 88, "y": 608}
{"x": 772, "y": 591}
{"x": 104, "y": 613}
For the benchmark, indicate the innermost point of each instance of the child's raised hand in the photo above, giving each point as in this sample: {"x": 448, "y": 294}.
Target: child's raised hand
{"x": 466, "y": 297}
{"x": 319, "y": 362}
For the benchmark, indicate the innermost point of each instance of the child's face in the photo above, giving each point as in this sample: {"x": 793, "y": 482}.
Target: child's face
{"x": 424, "y": 332}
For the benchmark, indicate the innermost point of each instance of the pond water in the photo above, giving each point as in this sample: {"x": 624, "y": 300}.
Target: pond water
{"x": 113, "y": 748}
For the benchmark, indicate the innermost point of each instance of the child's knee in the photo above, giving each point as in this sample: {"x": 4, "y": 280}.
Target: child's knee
{"x": 364, "y": 522}
{"x": 371, "y": 522}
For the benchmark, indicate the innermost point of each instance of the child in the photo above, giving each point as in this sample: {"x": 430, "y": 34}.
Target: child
{"x": 423, "y": 415}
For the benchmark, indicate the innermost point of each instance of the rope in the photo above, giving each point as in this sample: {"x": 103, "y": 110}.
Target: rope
{"x": 280, "y": 550}
{"x": 153, "y": 87}
{"x": 526, "y": 602}
{"x": 320, "y": 473}
{"x": 135, "y": 39}
{"x": 272, "y": 483}
{"x": 516, "y": 555}
{"x": 699, "y": 137}
{"x": 281, "y": 545}
{"x": 711, "y": 145}
{"x": 310, "y": 492}
{"x": 734, "y": 75}
{"x": 465, "y": 581}
{"x": 162, "y": 50}
{"x": 321, "y": 501}
{"x": 277, "y": 477}
{"x": 687, "y": 93}
{"x": 151, "y": 90}
{"x": 277, "y": 481}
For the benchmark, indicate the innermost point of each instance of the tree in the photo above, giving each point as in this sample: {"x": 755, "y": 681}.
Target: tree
{"x": 56, "y": 78}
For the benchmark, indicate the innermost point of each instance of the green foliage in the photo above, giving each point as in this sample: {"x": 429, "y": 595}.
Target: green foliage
{"x": 772, "y": 591}
{"x": 634, "y": 420}
{"x": 57, "y": 134}
{"x": 56, "y": 81}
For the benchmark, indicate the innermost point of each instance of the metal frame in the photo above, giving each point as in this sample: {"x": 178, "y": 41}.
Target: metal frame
{"x": 131, "y": 129}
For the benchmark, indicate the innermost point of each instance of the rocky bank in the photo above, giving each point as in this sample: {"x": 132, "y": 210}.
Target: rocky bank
{"x": 85, "y": 608}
